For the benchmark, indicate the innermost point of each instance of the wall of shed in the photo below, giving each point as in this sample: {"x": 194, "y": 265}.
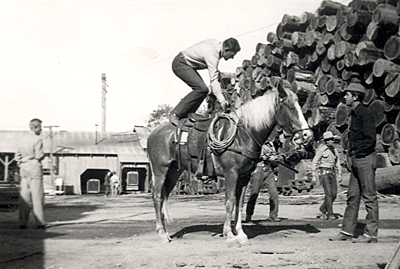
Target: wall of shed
{"x": 71, "y": 167}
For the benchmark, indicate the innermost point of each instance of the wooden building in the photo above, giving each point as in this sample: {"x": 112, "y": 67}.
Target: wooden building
{"x": 81, "y": 157}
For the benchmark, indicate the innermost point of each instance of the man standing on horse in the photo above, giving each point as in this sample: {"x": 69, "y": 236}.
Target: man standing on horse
{"x": 203, "y": 55}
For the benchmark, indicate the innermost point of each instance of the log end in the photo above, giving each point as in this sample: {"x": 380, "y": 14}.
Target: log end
{"x": 389, "y": 134}
{"x": 392, "y": 48}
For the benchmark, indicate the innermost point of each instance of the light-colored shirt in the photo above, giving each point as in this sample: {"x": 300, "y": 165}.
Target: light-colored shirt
{"x": 114, "y": 179}
{"x": 30, "y": 149}
{"x": 324, "y": 158}
{"x": 206, "y": 55}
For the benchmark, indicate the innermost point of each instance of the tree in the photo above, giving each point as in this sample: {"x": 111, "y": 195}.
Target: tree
{"x": 159, "y": 115}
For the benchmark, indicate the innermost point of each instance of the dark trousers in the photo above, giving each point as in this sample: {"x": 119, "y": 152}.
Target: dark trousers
{"x": 362, "y": 186}
{"x": 107, "y": 191}
{"x": 192, "y": 101}
{"x": 328, "y": 181}
{"x": 257, "y": 180}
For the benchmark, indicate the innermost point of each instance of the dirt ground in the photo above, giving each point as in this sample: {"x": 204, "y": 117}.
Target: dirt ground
{"x": 92, "y": 231}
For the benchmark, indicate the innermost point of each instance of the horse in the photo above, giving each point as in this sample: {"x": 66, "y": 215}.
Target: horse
{"x": 255, "y": 121}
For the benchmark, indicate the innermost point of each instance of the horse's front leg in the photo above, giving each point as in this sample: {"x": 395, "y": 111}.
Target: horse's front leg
{"x": 229, "y": 205}
{"x": 241, "y": 237}
{"x": 230, "y": 186}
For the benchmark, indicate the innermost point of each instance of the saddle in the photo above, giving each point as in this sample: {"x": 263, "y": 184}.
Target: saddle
{"x": 192, "y": 134}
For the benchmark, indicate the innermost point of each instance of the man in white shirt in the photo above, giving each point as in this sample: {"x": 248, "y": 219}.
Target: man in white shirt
{"x": 114, "y": 180}
{"x": 326, "y": 167}
{"x": 29, "y": 157}
{"x": 203, "y": 55}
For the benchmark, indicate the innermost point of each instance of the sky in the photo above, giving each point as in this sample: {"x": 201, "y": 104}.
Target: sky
{"x": 53, "y": 54}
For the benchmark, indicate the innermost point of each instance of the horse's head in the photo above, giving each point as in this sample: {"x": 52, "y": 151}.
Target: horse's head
{"x": 290, "y": 117}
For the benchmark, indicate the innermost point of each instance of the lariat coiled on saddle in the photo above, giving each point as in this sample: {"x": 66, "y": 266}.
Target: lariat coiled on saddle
{"x": 222, "y": 132}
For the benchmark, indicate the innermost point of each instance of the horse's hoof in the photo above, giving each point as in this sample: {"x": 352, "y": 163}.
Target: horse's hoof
{"x": 229, "y": 235}
{"x": 165, "y": 238}
{"x": 231, "y": 242}
{"x": 242, "y": 240}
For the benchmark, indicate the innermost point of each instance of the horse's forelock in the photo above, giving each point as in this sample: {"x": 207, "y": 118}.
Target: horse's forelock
{"x": 259, "y": 113}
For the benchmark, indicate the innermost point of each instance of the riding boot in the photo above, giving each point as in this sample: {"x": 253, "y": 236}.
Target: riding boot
{"x": 173, "y": 118}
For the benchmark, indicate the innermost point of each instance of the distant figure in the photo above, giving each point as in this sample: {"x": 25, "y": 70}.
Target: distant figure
{"x": 362, "y": 163}
{"x": 203, "y": 55}
{"x": 326, "y": 167}
{"x": 29, "y": 156}
{"x": 16, "y": 179}
{"x": 114, "y": 184}
{"x": 107, "y": 182}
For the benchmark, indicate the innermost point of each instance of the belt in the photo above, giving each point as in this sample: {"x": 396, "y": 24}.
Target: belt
{"x": 326, "y": 170}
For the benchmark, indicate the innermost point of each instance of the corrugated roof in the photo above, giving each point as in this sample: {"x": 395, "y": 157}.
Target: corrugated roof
{"x": 73, "y": 142}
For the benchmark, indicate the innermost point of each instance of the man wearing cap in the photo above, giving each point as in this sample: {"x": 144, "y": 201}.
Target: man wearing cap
{"x": 203, "y": 55}
{"x": 325, "y": 166}
{"x": 362, "y": 163}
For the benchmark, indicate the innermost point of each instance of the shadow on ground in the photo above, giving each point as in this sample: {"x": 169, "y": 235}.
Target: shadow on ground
{"x": 24, "y": 248}
{"x": 252, "y": 231}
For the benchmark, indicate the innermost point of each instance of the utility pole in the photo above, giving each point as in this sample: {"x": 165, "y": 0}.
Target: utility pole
{"x": 51, "y": 152}
{"x": 103, "y": 102}
{"x": 95, "y": 142}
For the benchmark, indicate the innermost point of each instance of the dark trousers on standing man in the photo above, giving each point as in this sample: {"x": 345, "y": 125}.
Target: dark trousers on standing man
{"x": 192, "y": 101}
{"x": 328, "y": 181}
{"x": 107, "y": 191}
{"x": 261, "y": 174}
{"x": 362, "y": 186}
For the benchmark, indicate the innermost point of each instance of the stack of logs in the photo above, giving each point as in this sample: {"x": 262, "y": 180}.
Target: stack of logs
{"x": 318, "y": 54}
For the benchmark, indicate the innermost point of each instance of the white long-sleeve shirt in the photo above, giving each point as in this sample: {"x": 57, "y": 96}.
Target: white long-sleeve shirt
{"x": 206, "y": 55}
{"x": 30, "y": 151}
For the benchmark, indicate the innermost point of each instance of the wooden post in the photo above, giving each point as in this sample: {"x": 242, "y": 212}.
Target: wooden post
{"x": 51, "y": 152}
{"x": 103, "y": 102}
{"x": 6, "y": 162}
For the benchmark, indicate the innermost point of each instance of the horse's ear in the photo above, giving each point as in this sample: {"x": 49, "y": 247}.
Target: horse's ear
{"x": 281, "y": 90}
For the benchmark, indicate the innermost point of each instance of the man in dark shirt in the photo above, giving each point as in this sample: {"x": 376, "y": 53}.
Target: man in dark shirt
{"x": 362, "y": 163}
{"x": 107, "y": 184}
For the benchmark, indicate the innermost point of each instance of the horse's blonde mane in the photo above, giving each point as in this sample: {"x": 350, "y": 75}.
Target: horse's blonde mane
{"x": 259, "y": 113}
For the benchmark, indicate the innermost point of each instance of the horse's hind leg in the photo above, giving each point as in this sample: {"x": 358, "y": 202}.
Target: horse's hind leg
{"x": 164, "y": 182}
{"x": 159, "y": 197}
